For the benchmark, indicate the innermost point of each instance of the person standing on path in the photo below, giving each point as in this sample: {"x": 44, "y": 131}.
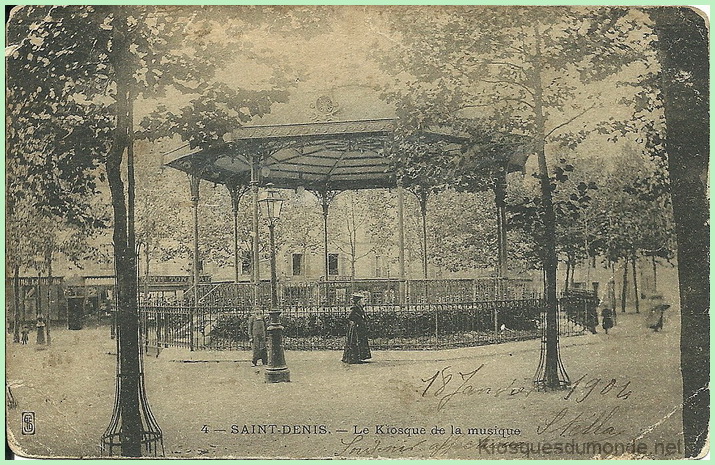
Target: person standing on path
{"x": 607, "y": 318}
{"x": 257, "y": 337}
{"x": 357, "y": 349}
{"x": 656, "y": 312}
{"x": 40, "y": 330}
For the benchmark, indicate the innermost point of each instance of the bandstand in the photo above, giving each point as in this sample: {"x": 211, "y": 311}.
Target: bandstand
{"x": 326, "y": 158}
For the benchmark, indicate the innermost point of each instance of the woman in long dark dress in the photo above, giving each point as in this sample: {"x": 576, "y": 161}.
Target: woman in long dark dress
{"x": 357, "y": 349}
{"x": 40, "y": 330}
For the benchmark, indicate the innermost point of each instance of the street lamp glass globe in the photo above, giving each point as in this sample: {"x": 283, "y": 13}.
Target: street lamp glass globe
{"x": 271, "y": 203}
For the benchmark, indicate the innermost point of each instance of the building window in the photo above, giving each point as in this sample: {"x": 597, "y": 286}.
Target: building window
{"x": 333, "y": 264}
{"x": 297, "y": 264}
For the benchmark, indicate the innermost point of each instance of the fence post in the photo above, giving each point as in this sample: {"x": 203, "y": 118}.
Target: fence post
{"x": 436, "y": 324}
{"x": 192, "y": 312}
{"x": 144, "y": 316}
{"x": 496, "y": 319}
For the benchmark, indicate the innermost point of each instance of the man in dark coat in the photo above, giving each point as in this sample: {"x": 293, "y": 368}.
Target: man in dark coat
{"x": 257, "y": 337}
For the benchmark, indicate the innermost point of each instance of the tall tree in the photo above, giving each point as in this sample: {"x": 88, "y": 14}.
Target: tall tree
{"x": 76, "y": 73}
{"x": 523, "y": 65}
{"x": 683, "y": 45}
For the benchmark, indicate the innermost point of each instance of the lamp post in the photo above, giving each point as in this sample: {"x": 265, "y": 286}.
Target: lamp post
{"x": 276, "y": 371}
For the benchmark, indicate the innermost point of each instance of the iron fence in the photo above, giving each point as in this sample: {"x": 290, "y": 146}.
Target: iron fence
{"x": 391, "y": 326}
{"x": 378, "y": 291}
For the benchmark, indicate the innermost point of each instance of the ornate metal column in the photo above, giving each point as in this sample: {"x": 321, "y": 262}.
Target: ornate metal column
{"x": 237, "y": 192}
{"x": 326, "y": 206}
{"x": 422, "y": 196}
{"x": 256, "y": 275}
{"x": 326, "y": 197}
{"x": 195, "y": 182}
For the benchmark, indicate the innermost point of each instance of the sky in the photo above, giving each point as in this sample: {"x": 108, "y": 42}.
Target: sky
{"x": 339, "y": 64}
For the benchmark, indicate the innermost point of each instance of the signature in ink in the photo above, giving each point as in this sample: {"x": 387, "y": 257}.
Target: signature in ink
{"x": 568, "y": 424}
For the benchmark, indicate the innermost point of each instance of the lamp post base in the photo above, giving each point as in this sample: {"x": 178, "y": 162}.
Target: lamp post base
{"x": 276, "y": 371}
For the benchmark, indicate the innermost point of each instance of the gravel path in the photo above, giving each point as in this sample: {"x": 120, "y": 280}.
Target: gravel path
{"x": 627, "y": 391}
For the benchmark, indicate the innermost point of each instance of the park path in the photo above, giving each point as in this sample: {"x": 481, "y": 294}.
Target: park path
{"x": 628, "y": 387}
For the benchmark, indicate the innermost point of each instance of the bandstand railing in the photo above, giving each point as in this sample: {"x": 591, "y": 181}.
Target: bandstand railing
{"x": 220, "y": 321}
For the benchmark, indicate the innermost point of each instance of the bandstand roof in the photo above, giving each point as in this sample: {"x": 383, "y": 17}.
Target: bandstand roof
{"x": 333, "y": 155}
{"x": 317, "y": 156}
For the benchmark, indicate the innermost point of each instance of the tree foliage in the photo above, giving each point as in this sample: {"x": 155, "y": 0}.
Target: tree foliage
{"x": 77, "y": 72}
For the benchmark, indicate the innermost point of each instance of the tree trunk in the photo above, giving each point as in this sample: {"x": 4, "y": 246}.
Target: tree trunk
{"x": 553, "y": 362}
{"x": 49, "y": 298}
{"x": 500, "y": 204}
{"x": 655, "y": 275}
{"x": 634, "y": 261}
{"x": 124, "y": 256}
{"x": 147, "y": 258}
{"x": 624, "y": 289}
{"x": 423, "y": 210}
{"x": 683, "y": 40}
{"x": 568, "y": 270}
{"x": 236, "y": 193}
{"x": 38, "y": 297}
{"x": 23, "y": 306}
{"x": 16, "y": 303}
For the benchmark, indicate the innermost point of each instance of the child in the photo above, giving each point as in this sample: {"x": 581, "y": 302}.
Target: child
{"x": 25, "y": 332}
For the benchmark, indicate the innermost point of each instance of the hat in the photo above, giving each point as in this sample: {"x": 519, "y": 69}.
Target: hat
{"x": 658, "y": 303}
{"x": 357, "y": 294}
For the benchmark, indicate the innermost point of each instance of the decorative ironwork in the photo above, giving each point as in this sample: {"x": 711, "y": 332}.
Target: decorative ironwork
{"x": 321, "y": 129}
{"x": 578, "y": 308}
{"x": 470, "y": 312}
{"x": 325, "y": 105}
{"x": 347, "y": 154}
{"x": 152, "y": 439}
